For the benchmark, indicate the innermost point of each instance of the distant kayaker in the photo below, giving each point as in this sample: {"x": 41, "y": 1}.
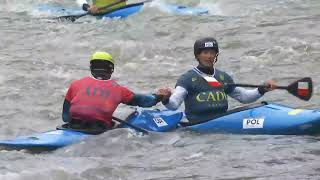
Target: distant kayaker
{"x": 99, "y": 7}
{"x": 203, "y": 88}
{"x": 91, "y": 101}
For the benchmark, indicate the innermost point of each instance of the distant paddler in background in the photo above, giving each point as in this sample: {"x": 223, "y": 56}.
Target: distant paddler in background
{"x": 99, "y": 7}
{"x": 91, "y": 101}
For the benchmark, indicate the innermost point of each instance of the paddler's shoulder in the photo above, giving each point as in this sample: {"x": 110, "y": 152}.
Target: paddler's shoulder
{"x": 189, "y": 74}
{"x": 188, "y": 77}
{"x": 222, "y": 75}
{"x": 87, "y": 78}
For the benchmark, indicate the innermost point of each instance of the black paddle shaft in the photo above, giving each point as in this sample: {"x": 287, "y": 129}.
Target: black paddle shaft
{"x": 130, "y": 125}
{"x": 293, "y": 88}
{"x": 256, "y": 86}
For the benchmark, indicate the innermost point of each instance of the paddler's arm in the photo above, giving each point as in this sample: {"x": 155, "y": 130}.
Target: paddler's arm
{"x": 176, "y": 99}
{"x": 248, "y": 96}
{"x": 65, "y": 112}
{"x": 143, "y": 100}
{"x": 245, "y": 95}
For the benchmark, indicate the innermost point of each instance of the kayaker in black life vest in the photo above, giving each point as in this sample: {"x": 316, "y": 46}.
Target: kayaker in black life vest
{"x": 98, "y": 6}
{"x": 203, "y": 88}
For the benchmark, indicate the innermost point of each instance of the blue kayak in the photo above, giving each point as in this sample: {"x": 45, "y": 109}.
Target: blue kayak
{"x": 271, "y": 119}
{"x": 49, "y": 140}
{"x": 122, "y": 12}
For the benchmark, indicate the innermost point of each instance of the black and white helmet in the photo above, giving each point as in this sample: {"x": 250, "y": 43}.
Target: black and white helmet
{"x": 205, "y": 43}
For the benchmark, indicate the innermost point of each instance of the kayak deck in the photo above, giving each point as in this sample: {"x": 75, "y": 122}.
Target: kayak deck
{"x": 47, "y": 141}
{"x": 271, "y": 119}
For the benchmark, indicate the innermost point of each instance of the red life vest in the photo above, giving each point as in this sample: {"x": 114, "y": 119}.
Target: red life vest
{"x": 96, "y": 100}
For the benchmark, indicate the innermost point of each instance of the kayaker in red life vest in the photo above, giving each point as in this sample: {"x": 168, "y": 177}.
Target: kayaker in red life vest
{"x": 92, "y": 100}
{"x": 203, "y": 88}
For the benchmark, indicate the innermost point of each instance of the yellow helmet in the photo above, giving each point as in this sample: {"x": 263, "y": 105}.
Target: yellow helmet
{"x": 104, "y": 56}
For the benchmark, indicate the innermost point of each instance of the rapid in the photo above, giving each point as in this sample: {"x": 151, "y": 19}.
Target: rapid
{"x": 259, "y": 40}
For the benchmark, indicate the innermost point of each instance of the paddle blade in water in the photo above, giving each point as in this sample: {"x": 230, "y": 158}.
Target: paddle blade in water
{"x": 66, "y": 18}
{"x": 71, "y": 18}
{"x": 302, "y": 88}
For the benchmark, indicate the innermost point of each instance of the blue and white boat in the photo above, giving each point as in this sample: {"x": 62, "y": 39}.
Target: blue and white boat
{"x": 265, "y": 119}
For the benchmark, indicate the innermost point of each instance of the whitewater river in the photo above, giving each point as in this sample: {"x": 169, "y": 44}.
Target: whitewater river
{"x": 259, "y": 40}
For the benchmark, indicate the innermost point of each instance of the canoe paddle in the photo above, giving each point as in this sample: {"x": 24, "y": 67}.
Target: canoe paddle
{"x": 72, "y": 18}
{"x": 301, "y": 88}
{"x": 130, "y": 125}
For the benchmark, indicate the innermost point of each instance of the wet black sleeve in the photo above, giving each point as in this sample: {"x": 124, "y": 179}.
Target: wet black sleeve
{"x": 142, "y": 100}
{"x": 65, "y": 112}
